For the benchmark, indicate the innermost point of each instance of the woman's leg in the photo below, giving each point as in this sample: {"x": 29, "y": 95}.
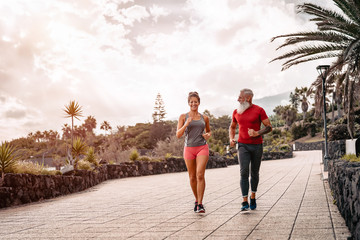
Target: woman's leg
{"x": 191, "y": 167}
{"x": 201, "y": 161}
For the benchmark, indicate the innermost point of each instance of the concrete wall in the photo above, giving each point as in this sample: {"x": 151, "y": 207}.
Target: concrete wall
{"x": 350, "y": 146}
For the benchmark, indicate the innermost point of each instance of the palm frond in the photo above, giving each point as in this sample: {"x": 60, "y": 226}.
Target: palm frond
{"x": 350, "y": 49}
{"x": 329, "y": 20}
{"x": 351, "y": 8}
{"x": 329, "y": 37}
{"x": 73, "y": 110}
{"x": 327, "y": 49}
{"x": 292, "y": 63}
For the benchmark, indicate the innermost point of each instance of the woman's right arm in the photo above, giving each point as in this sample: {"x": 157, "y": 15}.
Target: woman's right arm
{"x": 181, "y": 127}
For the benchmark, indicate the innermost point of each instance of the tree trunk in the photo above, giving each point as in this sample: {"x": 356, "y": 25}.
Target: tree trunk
{"x": 72, "y": 131}
{"x": 339, "y": 110}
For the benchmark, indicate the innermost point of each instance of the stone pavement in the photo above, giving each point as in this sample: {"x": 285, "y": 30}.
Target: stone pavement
{"x": 293, "y": 203}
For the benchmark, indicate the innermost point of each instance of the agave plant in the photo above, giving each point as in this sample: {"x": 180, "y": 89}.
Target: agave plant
{"x": 337, "y": 36}
{"x": 78, "y": 148}
{"x": 91, "y": 157}
{"x": 7, "y": 158}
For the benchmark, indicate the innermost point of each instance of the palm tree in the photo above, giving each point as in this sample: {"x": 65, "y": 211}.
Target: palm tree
{"x": 105, "y": 126}
{"x": 338, "y": 36}
{"x": 38, "y": 136}
{"x": 66, "y": 131}
{"x": 286, "y": 113}
{"x": 7, "y": 159}
{"x": 90, "y": 124}
{"x": 302, "y": 96}
{"x": 73, "y": 110}
{"x": 294, "y": 99}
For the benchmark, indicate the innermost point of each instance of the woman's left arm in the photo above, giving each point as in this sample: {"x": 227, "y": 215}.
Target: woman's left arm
{"x": 207, "y": 133}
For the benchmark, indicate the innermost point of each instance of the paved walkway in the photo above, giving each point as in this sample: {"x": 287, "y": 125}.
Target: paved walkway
{"x": 293, "y": 203}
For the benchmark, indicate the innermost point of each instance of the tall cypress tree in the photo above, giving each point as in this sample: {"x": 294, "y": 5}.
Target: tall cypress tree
{"x": 159, "y": 109}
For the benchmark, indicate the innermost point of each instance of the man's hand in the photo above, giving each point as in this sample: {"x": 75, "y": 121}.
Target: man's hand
{"x": 232, "y": 142}
{"x": 252, "y": 133}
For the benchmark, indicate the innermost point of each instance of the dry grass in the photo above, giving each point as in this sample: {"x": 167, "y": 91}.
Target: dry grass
{"x": 351, "y": 158}
{"x": 32, "y": 168}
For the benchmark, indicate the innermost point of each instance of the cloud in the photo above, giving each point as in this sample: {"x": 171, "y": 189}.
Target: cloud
{"x": 15, "y": 114}
{"x": 113, "y": 57}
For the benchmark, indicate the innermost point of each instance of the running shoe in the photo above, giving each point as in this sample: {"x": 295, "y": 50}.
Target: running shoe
{"x": 196, "y": 206}
{"x": 200, "y": 209}
{"x": 252, "y": 204}
{"x": 245, "y": 206}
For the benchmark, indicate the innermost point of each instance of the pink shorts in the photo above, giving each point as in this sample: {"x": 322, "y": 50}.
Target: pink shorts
{"x": 190, "y": 153}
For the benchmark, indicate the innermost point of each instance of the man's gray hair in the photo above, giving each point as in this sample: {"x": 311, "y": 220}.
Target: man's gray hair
{"x": 247, "y": 92}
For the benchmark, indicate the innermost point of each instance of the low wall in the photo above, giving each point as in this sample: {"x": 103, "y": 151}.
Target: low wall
{"x": 344, "y": 181}
{"x": 300, "y": 146}
{"x": 277, "y": 155}
{"x": 266, "y": 156}
{"x": 26, "y": 188}
{"x": 336, "y": 149}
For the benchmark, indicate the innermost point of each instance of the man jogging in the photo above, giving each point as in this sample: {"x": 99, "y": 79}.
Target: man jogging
{"x": 249, "y": 118}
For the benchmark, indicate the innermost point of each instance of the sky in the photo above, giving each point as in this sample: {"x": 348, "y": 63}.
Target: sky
{"x": 114, "y": 56}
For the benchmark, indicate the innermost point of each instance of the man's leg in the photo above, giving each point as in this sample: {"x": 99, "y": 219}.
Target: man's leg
{"x": 244, "y": 158}
{"x": 256, "y": 155}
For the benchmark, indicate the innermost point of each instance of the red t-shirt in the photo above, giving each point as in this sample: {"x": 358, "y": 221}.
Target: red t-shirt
{"x": 250, "y": 119}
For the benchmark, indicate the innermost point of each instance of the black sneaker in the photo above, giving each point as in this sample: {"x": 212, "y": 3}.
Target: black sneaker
{"x": 245, "y": 207}
{"x": 196, "y": 206}
{"x": 200, "y": 209}
{"x": 252, "y": 204}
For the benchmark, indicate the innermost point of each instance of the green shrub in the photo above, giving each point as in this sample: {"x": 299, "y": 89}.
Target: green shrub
{"x": 351, "y": 158}
{"x": 298, "y": 131}
{"x": 134, "y": 155}
{"x": 278, "y": 148}
{"x": 144, "y": 158}
{"x": 284, "y": 148}
{"x": 310, "y": 128}
{"x": 338, "y": 132}
{"x": 276, "y": 132}
{"x": 84, "y": 165}
{"x": 90, "y": 156}
{"x": 172, "y": 145}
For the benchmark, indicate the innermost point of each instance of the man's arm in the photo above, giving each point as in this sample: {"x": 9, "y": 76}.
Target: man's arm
{"x": 232, "y": 130}
{"x": 265, "y": 130}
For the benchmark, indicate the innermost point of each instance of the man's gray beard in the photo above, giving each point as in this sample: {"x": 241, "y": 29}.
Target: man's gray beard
{"x": 242, "y": 107}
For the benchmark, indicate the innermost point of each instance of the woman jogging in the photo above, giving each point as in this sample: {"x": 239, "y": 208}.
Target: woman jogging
{"x": 196, "y": 149}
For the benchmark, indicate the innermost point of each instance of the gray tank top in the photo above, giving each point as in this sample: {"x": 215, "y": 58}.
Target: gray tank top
{"x": 193, "y": 132}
